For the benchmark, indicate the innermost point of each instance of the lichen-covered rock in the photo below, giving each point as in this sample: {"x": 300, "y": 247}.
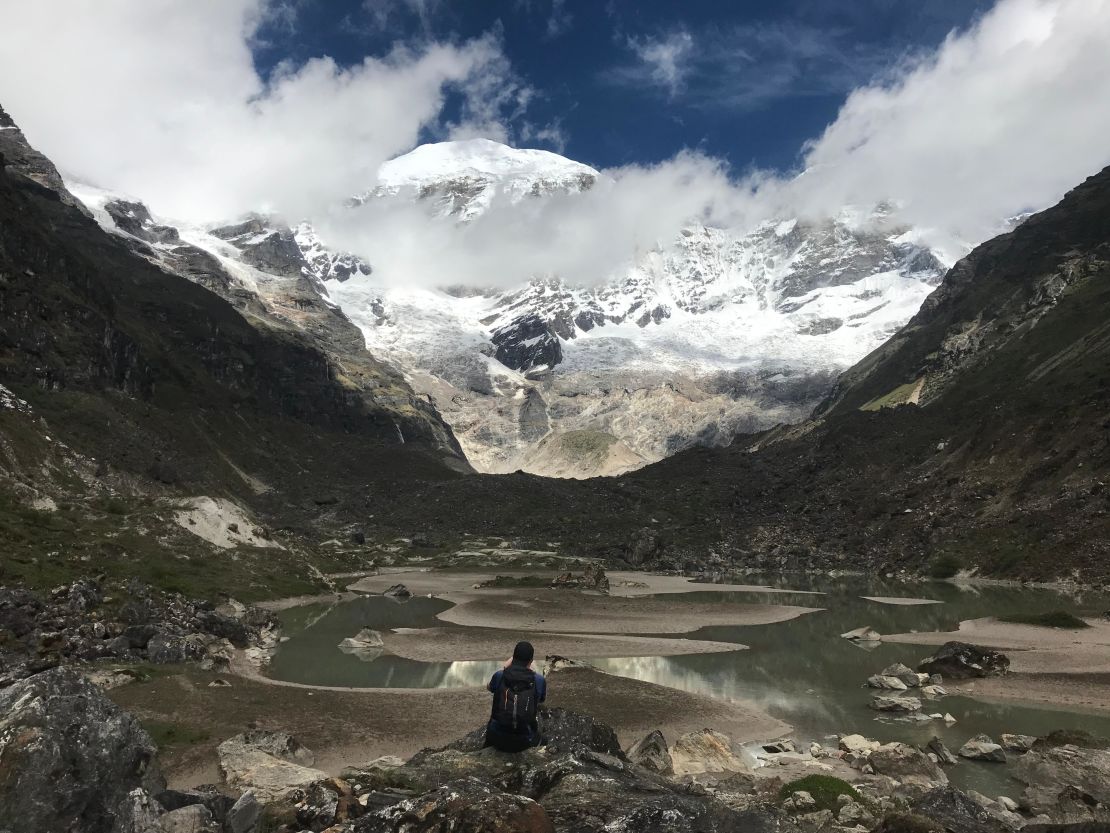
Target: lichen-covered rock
{"x": 581, "y": 780}
{"x": 908, "y": 823}
{"x": 705, "y": 751}
{"x": 906, "y": 763}
{"x": 466, "y": 806}
{"x": 193, "y": 818}
{"x": 1050, "y": 771}
{"x": 956, "y": 812}
{"x": 960, "y": 661}
{"x": 1019, "y": 744}
{"x": 70, "y": 758}
{"x": 565, "y": 731}
{"x": 269, "y": 763}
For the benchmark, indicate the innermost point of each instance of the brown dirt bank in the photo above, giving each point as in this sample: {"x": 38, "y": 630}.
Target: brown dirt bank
{"x": 456, "y": 644}
{"x": 549, "y": 610}
{"x": 1032, "y": 649}
{"x": 350, "y": 726}
{"x": 569, "y": 612}
{"x": 1070, "y": 692}
{"x": 1049, "y": 666}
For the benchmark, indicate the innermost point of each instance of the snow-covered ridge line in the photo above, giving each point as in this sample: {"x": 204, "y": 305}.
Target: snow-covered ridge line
{"x": 477, "y": 157}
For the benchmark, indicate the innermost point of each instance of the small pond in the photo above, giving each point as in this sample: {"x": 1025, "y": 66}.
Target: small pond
{"x": 800, "y": 670}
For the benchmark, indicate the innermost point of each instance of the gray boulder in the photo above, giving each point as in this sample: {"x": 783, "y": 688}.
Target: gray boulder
{"x": 903, "y": 762}
{"x": 983, "y": 748}
{"x": 895, "y": 705}
{"x": 906, "y": 675}
{"x": 269, "y": 763}
{"x": 70, "y": 758}
{"x": 956, "y": 812}
{"x": 961, "y": 661}
{"x": 943, "y": 753}
{"x": 193, "y": 818}
{"x": 466, "y": 806}
{"x": 367, "y": 645}
{"x": 243, "y": 815}
{"x": 1052, "y": 771}
{"x": 584, "y": 784}
{"x": 652, "y": 754}
{"x": 886, "y": 682}
{"x": 1019, "y": 744}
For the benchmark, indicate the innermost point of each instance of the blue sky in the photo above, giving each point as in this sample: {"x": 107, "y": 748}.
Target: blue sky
{"x": 697, "y": 111}
{"x": 617, "y": 83}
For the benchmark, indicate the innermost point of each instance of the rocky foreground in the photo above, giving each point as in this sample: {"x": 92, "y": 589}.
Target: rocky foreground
{"x": 71, "y": 760}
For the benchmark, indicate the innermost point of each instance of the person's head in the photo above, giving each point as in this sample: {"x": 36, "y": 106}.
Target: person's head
{"x": 523, "y": 653}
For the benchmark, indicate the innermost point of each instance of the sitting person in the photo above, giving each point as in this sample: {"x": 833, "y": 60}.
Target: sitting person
{"x": 517, "y": 693}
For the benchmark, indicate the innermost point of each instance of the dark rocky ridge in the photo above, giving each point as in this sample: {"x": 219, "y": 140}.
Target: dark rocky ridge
{"x": 163, "y": 387}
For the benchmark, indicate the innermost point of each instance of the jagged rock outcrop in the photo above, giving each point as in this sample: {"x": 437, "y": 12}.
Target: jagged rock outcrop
{"x": 193, "y": 394}
{"x": 959, "y": 661}
{"x": 73, "y": 625}
{"x": 70, "y": 759}
{"x": 652, "y": 754}
{"x": 18, "y": 157}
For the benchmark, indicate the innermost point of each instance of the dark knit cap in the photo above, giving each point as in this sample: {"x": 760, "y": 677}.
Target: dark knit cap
{"x": 523, "y": 653}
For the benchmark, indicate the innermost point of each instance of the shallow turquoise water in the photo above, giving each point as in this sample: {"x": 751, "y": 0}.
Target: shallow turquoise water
{"x": 800, "y": 670}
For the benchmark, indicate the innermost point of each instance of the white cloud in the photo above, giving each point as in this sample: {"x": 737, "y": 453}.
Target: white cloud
{"x": 580, "y": 237}
{"x": 382, "y": 15}
{"x": 160, "y": 99}
{"x": 666, "y": 59}
{"x": 1002, "y": 118}
{"x": 560, "y": 21}
{"x": 552, "y": 135}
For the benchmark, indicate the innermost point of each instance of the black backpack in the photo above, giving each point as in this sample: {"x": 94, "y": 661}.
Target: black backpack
{"x": 514, "y": 703}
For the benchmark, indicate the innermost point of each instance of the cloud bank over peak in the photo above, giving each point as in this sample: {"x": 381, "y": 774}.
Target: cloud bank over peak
{"x": 161, "y": 100}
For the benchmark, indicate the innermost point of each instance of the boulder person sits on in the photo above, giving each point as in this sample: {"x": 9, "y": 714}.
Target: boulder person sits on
{"x": 517, "y": 693}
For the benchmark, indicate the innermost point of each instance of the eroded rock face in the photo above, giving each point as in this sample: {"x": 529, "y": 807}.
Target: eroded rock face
{"x": 70, "y": 759}
{"x": 960, "y": 661}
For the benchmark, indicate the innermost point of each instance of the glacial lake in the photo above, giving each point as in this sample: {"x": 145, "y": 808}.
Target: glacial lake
{"x": 800, "y": 671}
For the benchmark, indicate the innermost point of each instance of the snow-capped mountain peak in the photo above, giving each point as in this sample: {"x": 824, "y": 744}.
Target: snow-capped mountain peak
{"x": 462, "y": 178}
{"x": 477, "y": 158}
